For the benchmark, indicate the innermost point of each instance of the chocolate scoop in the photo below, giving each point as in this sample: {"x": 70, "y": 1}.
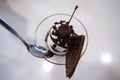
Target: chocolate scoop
{"x": 64, "y": 32}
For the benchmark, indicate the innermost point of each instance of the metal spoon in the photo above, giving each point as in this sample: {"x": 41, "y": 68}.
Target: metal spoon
{"x": 37, "y": 51}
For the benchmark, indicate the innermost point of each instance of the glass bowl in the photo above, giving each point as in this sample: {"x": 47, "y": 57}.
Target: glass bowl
{"x": 42, "y": 33}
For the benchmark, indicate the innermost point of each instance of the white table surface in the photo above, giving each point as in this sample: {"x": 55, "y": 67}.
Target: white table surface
{"x": 101, "y": 18}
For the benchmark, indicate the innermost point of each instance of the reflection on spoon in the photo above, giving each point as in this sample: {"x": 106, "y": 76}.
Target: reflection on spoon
{"x": 37, "y": 51}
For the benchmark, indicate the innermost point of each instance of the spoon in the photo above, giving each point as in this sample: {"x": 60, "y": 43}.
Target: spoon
{"x": 37, "y": 51}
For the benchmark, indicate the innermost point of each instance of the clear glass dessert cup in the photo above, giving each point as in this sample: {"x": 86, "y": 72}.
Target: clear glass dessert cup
{"x": 43, "y": 30}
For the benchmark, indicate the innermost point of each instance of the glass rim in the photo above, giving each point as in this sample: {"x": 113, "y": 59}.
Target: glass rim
{"x": 86, "y": 32}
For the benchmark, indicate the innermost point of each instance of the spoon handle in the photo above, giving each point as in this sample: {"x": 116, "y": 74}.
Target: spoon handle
{"x": 10, "y": 29}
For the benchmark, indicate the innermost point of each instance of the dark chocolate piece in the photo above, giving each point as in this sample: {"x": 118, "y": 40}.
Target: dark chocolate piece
{"x": 73, "y": 56}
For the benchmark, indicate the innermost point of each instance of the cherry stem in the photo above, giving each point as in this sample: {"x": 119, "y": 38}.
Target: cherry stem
{"x": 72, "y": 14}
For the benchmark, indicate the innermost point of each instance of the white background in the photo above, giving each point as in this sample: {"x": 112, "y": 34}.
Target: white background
{"x": 101, "y": 18}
